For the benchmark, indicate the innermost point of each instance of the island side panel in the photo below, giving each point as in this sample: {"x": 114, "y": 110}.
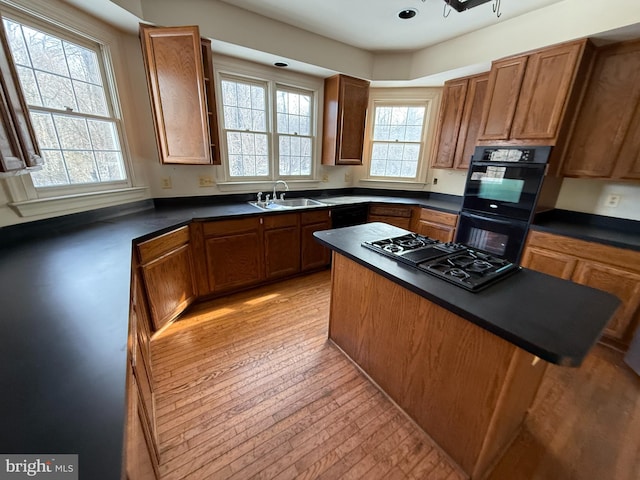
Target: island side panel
{"x": 451, "y": 376}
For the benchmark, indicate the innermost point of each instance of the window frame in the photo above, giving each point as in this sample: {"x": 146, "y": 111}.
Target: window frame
{"x": 426, "y": 97}
{"x": 104, "y": 66}
{"x": 274, "y": 78}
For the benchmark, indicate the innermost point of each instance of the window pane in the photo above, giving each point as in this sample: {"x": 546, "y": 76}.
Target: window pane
{"x": 56, "y": 91}
{"x": 45, "y": 130}
{"x": 103, "y": 135}
{"x": 54, "y": 171}
{"x": 81, "y": 166}
{"x": 29, "y": 86}
{"x": 110, "y": 166}
{"x": 16, "y": 41}
{"x": 293, "y": 113}
{"x": 90, "y": 98}
{"x": 244, "y": 106}
{"x": 295, "y": 155}
{"x": 83, "y": 63}
{"x": 248, "y": 154}
{"x": 72, "y": 133}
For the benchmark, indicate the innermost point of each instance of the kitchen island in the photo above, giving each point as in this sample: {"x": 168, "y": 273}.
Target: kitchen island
{"x": 464, "y": 366}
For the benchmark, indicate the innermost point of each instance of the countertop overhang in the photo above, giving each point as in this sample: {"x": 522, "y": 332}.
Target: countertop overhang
{"x": 556, "y": 320}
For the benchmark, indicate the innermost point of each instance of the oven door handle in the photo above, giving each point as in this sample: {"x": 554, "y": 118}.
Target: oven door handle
{"x": 480, "y": 217}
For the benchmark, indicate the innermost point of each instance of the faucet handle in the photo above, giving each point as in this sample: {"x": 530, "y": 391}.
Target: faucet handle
{"x": 259, "y": 197}
{"x": 266, "y": 200}
{"x": 282, "y": 196}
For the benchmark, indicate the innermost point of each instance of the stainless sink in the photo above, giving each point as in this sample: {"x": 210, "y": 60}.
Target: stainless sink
{"x": 288, "y": 204}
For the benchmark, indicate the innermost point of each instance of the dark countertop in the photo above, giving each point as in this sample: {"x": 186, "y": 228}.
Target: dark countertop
{"x": 611, "y": 231}
{"x": 64, "y": 292}
{"x": 557, "y": 320}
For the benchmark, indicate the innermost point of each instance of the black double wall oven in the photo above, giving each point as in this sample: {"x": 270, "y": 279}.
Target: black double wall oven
{"x": 502, "y": 193}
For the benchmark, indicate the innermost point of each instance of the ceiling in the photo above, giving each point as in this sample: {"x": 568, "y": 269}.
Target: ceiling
{"x": 374, "y": 24}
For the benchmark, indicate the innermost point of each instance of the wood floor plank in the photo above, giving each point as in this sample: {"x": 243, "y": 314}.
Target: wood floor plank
{"x": 247, "y": 386}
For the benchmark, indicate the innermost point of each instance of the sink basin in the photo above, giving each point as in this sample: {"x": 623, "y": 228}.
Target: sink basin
{"x": 288, "y": 204}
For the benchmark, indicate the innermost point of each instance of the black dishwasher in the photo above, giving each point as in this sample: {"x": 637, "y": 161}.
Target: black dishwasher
{"x": 347, "y": 215}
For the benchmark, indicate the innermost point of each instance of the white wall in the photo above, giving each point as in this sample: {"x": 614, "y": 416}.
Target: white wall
{"x": 589, "y": 196}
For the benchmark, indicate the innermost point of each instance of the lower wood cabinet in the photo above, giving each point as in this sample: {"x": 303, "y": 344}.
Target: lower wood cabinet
{"x": 614, "y": 270}
{"x": 313, "y": 255}
{"x": 167, "y": 271}
{"x": 281, "y": 245}
{"x": 233, "y": 253}
{"x": 398, "y": 215}
{"x": 437, "y": 225}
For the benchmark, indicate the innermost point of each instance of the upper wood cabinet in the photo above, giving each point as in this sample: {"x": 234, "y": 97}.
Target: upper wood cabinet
{"x": 605, "y": 141}
{"x": 607, "y": 268}
{"x": 18, "y": 145}
{"x": 459, "y": 122}
{"x": 345, "y": 111}
{"x": 529, "y": 95}
{"x": 174, "y": 59}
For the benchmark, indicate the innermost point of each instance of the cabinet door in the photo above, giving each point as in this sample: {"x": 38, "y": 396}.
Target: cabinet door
{"x": 212, "y": 115}
{"x": 282, "y": 245}
{"x": 451, "y": 111}
{"x": 471, "y": 119}
{"x": 167, "y": 271}
{"x": 437, "y": 231}
{"x": 503, "y": 89}
{"x": 169, "y": 285}
{"x": 545, "y": 92}
{"x": 173, "y": 60}
{"x": 547, "y": 261}
{"x": 620, "y": 282}
{"x": 234, "y": 253}
{"x": 313, "y": 255}
{"x": 628, "y": 161}
{"x": 18, "y": 144}
{"x": 602, "y": 130}
{"x": 345, "y": 111}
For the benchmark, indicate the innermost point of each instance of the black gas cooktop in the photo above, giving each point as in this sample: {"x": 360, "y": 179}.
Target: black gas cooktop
{"x": 466, "y": 267}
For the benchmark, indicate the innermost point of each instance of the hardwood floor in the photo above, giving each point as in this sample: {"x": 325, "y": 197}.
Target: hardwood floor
{"x": 249, "y": 387}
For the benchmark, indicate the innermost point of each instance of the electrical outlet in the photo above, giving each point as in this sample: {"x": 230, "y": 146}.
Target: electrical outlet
{"x": 347, "y": 177}
{"x": 435, "y": 181}
{"x": 165, "y": 182}
{"x": 205, "y": 181}
{"x": 612, "y": 200}
{"x": 325, "y": 178}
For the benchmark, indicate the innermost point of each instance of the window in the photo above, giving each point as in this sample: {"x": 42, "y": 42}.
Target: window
{"x": 396, "y": 142}
{"x": 294, "y": 133}
{"x": 70, "y": 108}
{"x": 255, "y": 149}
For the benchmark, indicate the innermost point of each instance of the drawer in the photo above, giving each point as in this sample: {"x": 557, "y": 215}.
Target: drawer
{"x": 158, "y": 246}
{"x": 315, "y": 216}
{"x": 225, "y": 227}
{"x": 281, "y": 220}
{"x": 390, "y": 210}
{"x": 435, "y": 216}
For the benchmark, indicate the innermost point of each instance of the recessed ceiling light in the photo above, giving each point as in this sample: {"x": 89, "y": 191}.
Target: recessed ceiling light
{"x": 407, "y": 13}
{"x": 281, "y": 64}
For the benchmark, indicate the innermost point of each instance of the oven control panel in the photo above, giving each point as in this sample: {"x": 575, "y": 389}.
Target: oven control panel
{"x": 512, "y": 154}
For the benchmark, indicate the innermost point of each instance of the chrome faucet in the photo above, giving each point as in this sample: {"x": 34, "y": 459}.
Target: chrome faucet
{"x": 274, "y": 189}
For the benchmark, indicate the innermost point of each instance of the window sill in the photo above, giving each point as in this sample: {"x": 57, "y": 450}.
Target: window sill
{"x": 78, "y": 202}
{"x": 397, "y": 184}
